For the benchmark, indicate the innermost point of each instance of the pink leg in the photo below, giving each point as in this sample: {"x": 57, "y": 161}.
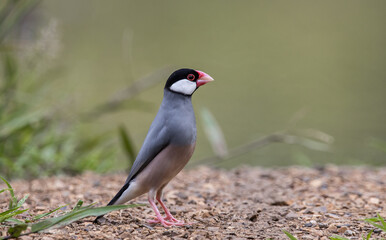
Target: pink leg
{"x": 169, "y": 220}
{"x": 160, "y": 219}
{"x": 169, "y": 216}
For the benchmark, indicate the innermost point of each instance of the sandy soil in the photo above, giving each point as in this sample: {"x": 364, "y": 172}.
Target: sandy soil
{"x": 246, "y": 203}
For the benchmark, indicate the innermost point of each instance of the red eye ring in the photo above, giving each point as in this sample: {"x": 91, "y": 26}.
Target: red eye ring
{"x": 191, "y": 77}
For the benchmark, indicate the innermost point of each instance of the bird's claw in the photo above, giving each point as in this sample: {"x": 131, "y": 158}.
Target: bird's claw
{"x": 168, "y": 221}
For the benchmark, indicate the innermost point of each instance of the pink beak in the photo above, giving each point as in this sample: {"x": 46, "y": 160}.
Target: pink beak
{"x": 203, "y": 78}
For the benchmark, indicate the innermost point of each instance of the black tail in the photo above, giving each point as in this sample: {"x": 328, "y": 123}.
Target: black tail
{"x": 96, "y": 221}
{"x": 101, "y": 216}
{"x": 115, "y": 198}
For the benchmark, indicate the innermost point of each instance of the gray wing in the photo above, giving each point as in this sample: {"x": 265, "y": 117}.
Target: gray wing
{"x": 156, "y": 140}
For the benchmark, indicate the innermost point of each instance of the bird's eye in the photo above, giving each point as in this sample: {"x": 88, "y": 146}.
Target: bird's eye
{"x": 191, "y": 77}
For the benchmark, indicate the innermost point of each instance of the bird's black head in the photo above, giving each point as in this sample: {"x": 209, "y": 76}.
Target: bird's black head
{"x": 185, "y": 81}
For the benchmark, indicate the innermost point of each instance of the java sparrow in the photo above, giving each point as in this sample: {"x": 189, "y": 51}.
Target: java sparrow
{"x": 168, "y": 146}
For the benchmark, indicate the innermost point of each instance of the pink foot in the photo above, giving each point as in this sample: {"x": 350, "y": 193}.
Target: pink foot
{"x": 170, "y": 217}
{"x": 162, "y": 221}
{"x": 168, "y": 221}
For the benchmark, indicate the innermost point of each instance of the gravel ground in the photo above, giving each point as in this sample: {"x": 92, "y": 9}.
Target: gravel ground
{"x": 245, "y": 203}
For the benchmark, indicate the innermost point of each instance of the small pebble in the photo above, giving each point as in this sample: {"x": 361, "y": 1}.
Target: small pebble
{"x": 349, "y": 233}
{"x": 213, "y": 229}
{"x": 342, "y": 229}
{"x": 292, "y": 215}
{"x": 331, "y": 215}
{"x": 332, "y": 228}
{"x": 374, "y": 200}
{"x": 253, "y": 218}
{"x": 306, "y": 237}
{"x": 321, "y": 209}
{"x": 323, "y": 225}
{"x": 344, "y": 225}
{"x": 309, "y": 224}
{"x": 308, "y": 211}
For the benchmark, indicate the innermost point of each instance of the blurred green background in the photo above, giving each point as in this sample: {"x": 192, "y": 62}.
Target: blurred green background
{"x": 321, "y": 63}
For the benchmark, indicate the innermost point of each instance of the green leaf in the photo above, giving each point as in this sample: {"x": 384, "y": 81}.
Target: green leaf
{"x": 289, "y": 235}
{"x": 16, "y": 230}
{"x": 127, "y": 145}
{"x": 75, "y": 215}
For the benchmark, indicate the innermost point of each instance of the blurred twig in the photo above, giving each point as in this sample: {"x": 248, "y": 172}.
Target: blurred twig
{"x": 127, "y": 56}
{"x": 119, "y": 98}
{"x": 301, "y": 137}
{"x": 279, "y": 137}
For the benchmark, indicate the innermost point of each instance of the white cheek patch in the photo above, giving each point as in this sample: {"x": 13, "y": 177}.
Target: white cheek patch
{"x": 184, "y": 86}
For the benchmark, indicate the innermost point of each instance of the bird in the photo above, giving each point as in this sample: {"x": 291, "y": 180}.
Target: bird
{"x": 168, "y": 145}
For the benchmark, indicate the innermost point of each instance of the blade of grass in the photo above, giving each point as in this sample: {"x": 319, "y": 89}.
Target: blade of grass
{"x": 74, "y": 216}
{"x": 127, "y": 144}
{"x": 21, "y": 202}
{"x": 14, "y": 220}
{"x": 382, "y": 221}
{"x": 5, "y": 213}
{"x": 6, "y": 189}
{"x": 289, "y": 235}
{"x": 338, "y": 238}
{"x": 16, "y": 230}
{"x": 13, "y": 200}
{"x": 78, "y": 205}
{"x": 368, "y": 235}
{"x": 11, "y": 214}
{"x": 214, "y": 133}
{"x": 374, "y": 222}
{"x": 37, "y": 217}
{"x": 377, "y": 226}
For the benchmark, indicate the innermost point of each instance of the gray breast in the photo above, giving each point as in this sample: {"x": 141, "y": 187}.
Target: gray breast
{"x": 182, "y": 127}
{"x": 179, "y": 118}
